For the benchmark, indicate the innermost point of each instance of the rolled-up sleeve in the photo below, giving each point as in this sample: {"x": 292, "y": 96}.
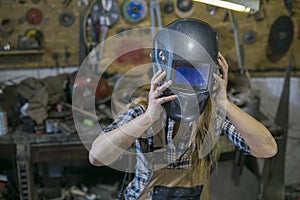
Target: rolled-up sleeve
{"x": 235, "y": 137}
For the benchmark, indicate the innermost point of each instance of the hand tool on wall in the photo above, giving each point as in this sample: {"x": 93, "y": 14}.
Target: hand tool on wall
{"x": 55, "y": 58}
{"x": 34, "y": 16}
{"x": 66, "y": 18}
{"x": 238, "y": 45}
{"x": 102, "y": 14}
{"x": 211, "y": 9}
{"x": 6, "y": 27}
{"x": 289, "y": 6}
{"x": 280, "y": 38}
{"x": 154, "y": 8}
{"x": 134, "y": 11}
{"x": 167, "y": 6}
{"x": 67, "y": 54}
{"x": 66, "y": 3}
{"x": 184, "y": 8}
{"x": 249, "y": 37}
{"x": 32, "y": 39}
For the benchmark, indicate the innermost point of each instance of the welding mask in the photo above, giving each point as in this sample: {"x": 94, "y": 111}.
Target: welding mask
{"x": 187, "y": 50}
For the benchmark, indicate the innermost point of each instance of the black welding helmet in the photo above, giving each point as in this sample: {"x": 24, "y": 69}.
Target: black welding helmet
{"x": 187, "y": 50}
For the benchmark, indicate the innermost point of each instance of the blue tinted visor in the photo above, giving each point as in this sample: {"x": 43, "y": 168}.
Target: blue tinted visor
{"x": 195, "y": 75}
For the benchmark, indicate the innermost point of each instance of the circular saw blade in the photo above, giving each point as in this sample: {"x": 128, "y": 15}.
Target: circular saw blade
{"x": 34, "y": 16}
{"x": 134, "y": 11}
{"x": 280, "y": 38}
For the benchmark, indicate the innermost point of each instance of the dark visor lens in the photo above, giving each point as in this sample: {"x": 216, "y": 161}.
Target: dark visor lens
{"x": 193, "y": 74}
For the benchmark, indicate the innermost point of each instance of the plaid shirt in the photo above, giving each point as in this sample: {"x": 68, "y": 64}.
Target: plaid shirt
{"x": 176, "y": 157}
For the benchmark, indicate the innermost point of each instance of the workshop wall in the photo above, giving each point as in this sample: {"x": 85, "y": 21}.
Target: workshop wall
{"x": 37, "y": 37}
{"x": 62, "y": 45}
{"x": 270, "y": 89}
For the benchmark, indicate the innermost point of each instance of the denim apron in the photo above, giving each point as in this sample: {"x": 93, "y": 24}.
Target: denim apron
{"x": 175, "y": 184}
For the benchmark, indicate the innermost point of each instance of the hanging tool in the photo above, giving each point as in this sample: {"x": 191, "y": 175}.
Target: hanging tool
{"x": 34, "y": 16}
{"x": 134, "y": 11}
{"x": 103, "y": 13}
{"x": 289, "y": 6}
{"x": 184, "y": 8}
{"x": 32, "y": 39}
{"x": 238, "y": 45}
{"x": 154, "y": 8}
{"x": 66, "y": 3}
{"x": 67, "y": 54}
{"x": 280, "y": 38}
{"x": 249, "y": 37}
{"x": 107, "y": 14}
{"x": 211, "y": 9}
{"x": 36, "y": 34}
{"x": 55, "y": 58}
{"x": 167, "y": 6}
{"x": 6, "y": 27}
{"x": 66, "y": 18}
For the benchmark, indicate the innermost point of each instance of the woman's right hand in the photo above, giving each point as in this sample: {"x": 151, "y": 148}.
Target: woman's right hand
{"x": 154, "y": 98}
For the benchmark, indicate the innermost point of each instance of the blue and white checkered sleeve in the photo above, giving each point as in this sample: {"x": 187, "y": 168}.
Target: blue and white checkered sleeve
{"x": 124, "y": 117}
{"x": 235, "y": 137}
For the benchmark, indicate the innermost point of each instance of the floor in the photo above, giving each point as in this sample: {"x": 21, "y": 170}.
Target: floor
{"x": 223, "y": 187}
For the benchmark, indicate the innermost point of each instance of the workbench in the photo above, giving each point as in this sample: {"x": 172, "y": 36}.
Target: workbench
{"x": 33, "y": 148}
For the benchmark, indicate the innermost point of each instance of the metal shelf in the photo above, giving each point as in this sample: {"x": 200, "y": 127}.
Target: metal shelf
{"x": 21, "y": 52}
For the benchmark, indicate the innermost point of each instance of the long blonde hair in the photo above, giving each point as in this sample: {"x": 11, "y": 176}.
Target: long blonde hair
{"x": 205, "y": 130}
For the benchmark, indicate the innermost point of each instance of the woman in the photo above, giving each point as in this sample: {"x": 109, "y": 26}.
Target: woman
{"x": 187, "y": 138}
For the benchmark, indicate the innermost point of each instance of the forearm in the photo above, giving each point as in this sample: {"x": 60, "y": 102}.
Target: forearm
{"x": 256, "y": 135}
{"x": 107, "y": 147}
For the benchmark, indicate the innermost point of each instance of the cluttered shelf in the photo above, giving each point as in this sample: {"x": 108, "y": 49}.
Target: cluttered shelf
{"x": 20, "y": 137}
{"x": 21, "y": 52}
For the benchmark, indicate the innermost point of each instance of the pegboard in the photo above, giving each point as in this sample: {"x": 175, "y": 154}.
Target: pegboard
{"x": 57, "y": 37}
{"x": 59, "y": 44}
{"x": 255, "y": 59}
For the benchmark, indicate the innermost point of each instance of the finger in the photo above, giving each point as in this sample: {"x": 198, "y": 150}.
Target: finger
{"x": 156, "y": 74}
{"x": 165, "y": 99}
{"x": 224, "y": 66}
{"x": 160, "y": 77}
{"x": 218, "y": 83}
{"x": 153, "y": 80}
{"x": 222, "y": 58}
{"x": 224, "y": 74}
{"x": 218, "y": 78}
{"x": 157, "y": 80}
{"x": 162, "y": 88}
